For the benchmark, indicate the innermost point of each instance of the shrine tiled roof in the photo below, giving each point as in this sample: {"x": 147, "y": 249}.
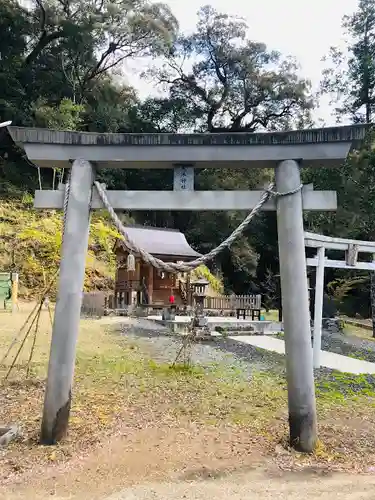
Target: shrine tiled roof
{"x": 161, "y": 242}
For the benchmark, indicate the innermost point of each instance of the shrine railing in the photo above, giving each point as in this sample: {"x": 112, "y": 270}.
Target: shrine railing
{"x": 233, "y": 302}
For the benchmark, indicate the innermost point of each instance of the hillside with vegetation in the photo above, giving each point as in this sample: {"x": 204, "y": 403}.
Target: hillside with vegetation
{"x": 63, "y": 66}
{"x": 31, "y": 242}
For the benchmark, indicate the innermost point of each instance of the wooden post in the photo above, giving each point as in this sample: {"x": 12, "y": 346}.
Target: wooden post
{"x": 68, "y": 306}
{"x": 318, "y": 307}
{"x": 299, "y": 362}
{"x": 188, "y": 292}
{"x": 150, "y": 283}
{"x": 15, "y": 292}
{"x": 136, "y": 285}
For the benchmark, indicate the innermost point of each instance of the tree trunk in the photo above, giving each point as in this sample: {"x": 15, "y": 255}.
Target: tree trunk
{"x": 43, "y": 42}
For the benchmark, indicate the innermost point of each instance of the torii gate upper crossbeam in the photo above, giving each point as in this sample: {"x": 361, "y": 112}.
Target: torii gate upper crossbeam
{"x": 313, "y": 147}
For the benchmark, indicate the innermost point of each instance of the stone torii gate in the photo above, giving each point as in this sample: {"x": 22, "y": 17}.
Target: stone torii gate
{"x": 286, "y": 152}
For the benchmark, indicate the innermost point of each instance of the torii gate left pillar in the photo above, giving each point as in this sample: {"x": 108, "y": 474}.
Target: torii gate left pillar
{"x": 68, "y": 306}
{"x": 321, "y": 147}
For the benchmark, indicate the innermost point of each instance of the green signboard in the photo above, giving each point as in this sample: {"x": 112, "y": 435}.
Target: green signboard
{"x": 5, "y": 288}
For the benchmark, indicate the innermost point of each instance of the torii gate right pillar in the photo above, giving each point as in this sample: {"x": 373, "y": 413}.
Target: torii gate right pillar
{"x": 295, "y": 304}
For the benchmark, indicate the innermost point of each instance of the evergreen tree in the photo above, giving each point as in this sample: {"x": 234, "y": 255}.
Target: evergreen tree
{"x": 350, "y": 80}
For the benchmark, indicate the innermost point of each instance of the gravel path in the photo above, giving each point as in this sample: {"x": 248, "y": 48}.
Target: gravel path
{"x": 163, "y": 347}
{"x": 349, "y": 345}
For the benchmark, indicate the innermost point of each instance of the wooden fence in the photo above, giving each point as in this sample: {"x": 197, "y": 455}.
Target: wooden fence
{"x": 94, "y": 304}
{"x": 233, "y": 302}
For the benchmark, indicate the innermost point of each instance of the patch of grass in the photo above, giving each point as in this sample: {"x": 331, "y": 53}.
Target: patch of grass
{"x": 272, "y": 315}
{"x": 339, "y": 385}
{"x": 356, "y": 355}
{"x": 362, "y": 333}
{"x": 222, "y": 330}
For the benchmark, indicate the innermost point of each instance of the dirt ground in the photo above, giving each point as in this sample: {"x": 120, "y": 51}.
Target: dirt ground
{"x": 185, "y": 463}
{"x": 257, "y": 485}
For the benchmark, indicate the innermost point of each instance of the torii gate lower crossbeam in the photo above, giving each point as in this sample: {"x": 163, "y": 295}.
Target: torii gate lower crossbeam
{"x": 311, "y": 147}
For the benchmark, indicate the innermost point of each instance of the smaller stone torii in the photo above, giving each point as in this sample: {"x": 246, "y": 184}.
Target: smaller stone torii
{"x": 285, "y": 152}
{"x": 351, "y": 248}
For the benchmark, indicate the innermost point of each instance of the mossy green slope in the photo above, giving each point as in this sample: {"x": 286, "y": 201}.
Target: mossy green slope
{"x": 31, "y": 241}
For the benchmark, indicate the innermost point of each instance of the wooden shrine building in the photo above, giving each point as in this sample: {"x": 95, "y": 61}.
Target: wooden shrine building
{"x": 147, "y": 285}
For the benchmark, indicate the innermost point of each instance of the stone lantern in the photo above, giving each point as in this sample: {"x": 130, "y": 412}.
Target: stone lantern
{"x": 199, "y": 294}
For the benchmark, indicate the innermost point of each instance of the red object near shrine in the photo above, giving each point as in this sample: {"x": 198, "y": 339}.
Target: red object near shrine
{"x": 171, "y": 299}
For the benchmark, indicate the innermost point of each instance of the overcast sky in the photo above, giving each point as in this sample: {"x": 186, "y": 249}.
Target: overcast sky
{"x": 305, "y": 29}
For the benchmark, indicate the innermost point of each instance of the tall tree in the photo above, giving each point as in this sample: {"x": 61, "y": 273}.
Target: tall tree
{"x": 217, "y": 80}
{"x": 350, "y": 77}
{"x": 229, "y": 82}
{"x": 55, "y": 49}
{"x": 59, "y": 56}
{"x": 104, "y": 33}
